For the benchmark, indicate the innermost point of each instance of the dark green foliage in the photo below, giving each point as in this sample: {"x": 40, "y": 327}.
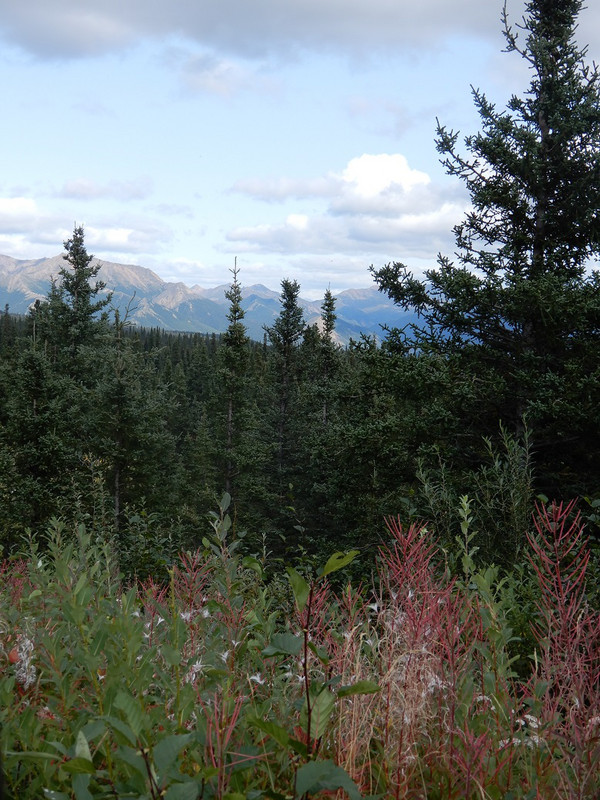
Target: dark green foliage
{"x": 284, "y": 336}
{"x": 494, "y": 395}
{"x": 520, "y": 309}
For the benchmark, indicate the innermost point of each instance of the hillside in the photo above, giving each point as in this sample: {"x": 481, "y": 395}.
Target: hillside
{"x": 153, "y": 302}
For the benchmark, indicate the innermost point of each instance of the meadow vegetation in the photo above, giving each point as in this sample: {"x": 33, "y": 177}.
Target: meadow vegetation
{"x": 232, "y": 679}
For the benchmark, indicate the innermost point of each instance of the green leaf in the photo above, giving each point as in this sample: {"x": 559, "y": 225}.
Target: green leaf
{"x": 249, "y": 562}
{"x": 360, "y": 687}
{"x": 166, "y": 752}
{"x": 339, "y": 561}
{"x": 183, "y": 791}
{"x": 30, "y": 755}
{"x": 80, "y": 584}
{"x": 299, "y": 747}
{"x": 134, "y": 759}
{"x": 321, "y": 708}
{"x": 93, "y": 729}
{"x": 171, "y": 655}
{"x": 283, "y": 644}
{"x": 274, "y": 731}
{"x": 319, "y": 776}
{"x": 132, "y": 710}
{"x": 300, "y": 588}
{"x": 82, "y": 748}
{"x": 123, "y": 729}
{"x": 79, "y": 765}
{"x": 81, "y": 787}
{"x": 320, "y": 653}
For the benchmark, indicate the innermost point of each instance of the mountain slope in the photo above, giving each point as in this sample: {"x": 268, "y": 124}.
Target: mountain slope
{"x": 151, "y": 302}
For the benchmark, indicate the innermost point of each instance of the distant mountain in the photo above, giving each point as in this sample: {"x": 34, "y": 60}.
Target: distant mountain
{"x": 152, "y": 302}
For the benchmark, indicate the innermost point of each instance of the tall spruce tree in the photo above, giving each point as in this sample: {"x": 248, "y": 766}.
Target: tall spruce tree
{"x": 520, "y": 308}
{"x": 49, "y": 408}
{"x": 285, "y": 335}
{"x": 234, "y": 357}
{"x": 74, "y": 312}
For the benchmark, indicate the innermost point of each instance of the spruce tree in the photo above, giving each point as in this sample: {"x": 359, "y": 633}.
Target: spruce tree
{"x": 519, "y": 309}
{"x": 74, "y": 312}
{"x": 285, "y": 335}
{"x": 234, "y": 354}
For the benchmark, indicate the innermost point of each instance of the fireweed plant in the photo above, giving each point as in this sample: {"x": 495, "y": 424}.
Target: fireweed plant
{"x": 205, "y": 686}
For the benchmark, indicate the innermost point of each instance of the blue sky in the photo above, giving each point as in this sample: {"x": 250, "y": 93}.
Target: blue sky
{"x": 294, "y": 135}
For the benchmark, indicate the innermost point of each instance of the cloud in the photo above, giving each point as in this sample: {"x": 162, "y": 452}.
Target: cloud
{"x": 30, "y": 230}
{"x": 85, "y": 189}
{"x": 71, "y": 29}
{"x": 274, "y": 190}
{"x": 369, "y": 175}
{"x": 366, "y": 176}
{"x": 17, "y": 213}
{"x": 208, "y": 73}
{"x": 142, "y": 237}
{"x": 380, "y": 205}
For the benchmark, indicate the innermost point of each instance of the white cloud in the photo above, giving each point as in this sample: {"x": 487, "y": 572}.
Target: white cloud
{"x": 86, "y": 189}
{"x": 142, "y": 237}
{"x": 367, "y": 176}
{"x": 370, "y": 175}
{"x": 381, "y": 206}
{"x": 17, "y": 207}
{"x": 297, "y": 221}
{"x": 282, "y": 188}
{"x": 30, "y": 230}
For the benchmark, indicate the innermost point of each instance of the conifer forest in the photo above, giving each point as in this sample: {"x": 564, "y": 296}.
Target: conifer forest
{"x": 291, "y": 569}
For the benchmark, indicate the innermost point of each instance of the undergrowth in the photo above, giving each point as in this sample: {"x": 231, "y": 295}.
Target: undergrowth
{"x": 204, "y": 686}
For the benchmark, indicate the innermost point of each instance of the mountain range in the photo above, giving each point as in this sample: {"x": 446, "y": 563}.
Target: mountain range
{"x": 152, "y": 302}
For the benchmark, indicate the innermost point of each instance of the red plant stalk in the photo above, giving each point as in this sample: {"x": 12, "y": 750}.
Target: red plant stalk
{"x": 15, "y": 579}
{"x": 568, "y": 637}
{"x": 429, "y": 623}
{"x": 190, "y": 581}
{"x": 220, "y": 728}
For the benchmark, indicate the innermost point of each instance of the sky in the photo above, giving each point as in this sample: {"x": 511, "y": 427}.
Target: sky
{"x": 294, "y": 137}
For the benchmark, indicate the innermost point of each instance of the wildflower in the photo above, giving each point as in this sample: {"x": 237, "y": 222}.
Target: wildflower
{"x": 529, "y": 721}
{"x": 224, "y": 656}
{"x": 506, "y": 742}
{"x": 205, "y": 613}
{"x": 483, "y": 699}
{"x": 197, "y": 667}
{"x": 257, "y": 678}
{"x": 25, "y": 672}
{"x": 186, "y": 616}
